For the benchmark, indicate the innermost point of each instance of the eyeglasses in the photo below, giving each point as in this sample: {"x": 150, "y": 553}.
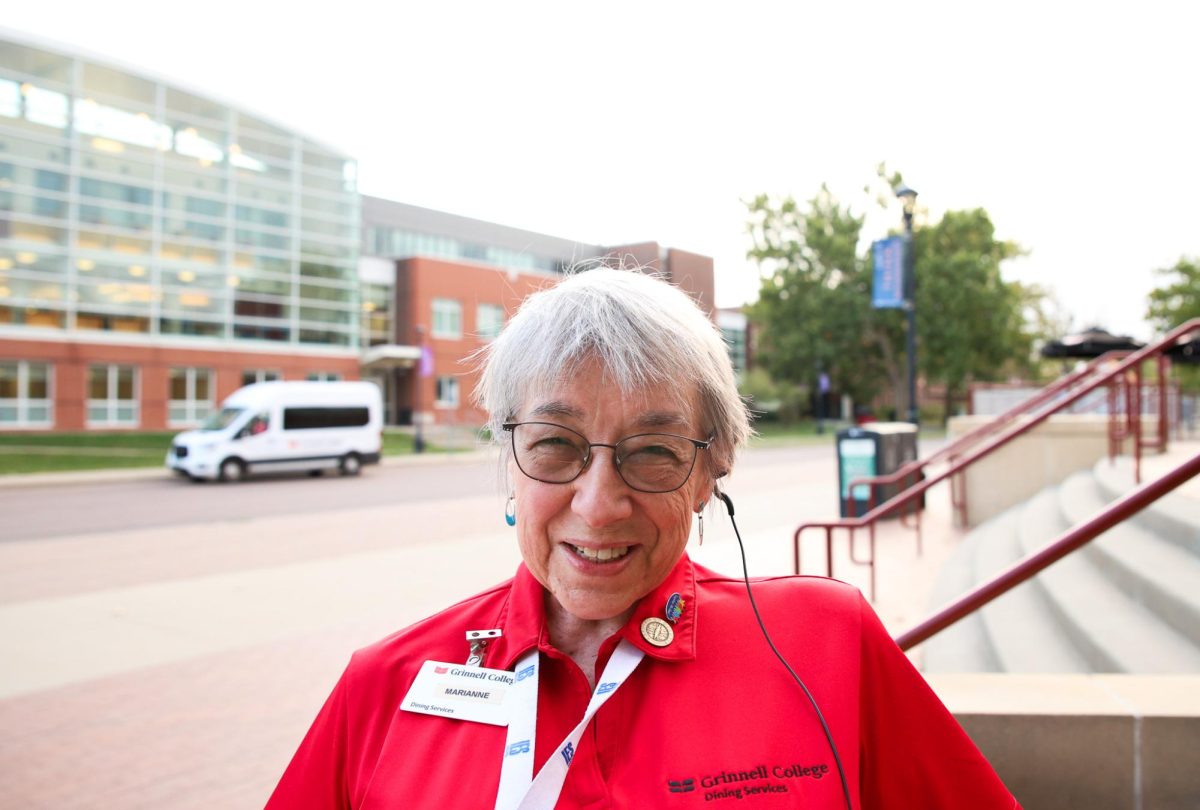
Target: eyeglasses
{"x": 647, "y": 462}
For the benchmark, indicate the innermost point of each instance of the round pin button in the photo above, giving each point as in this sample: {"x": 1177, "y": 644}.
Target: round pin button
{"x": 657, "y": 632}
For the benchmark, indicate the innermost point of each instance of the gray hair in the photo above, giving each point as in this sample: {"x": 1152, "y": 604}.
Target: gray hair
{"x": 640, "y": 328}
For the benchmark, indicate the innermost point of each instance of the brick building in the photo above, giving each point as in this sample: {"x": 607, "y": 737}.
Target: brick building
{"x": 444, "y": 284}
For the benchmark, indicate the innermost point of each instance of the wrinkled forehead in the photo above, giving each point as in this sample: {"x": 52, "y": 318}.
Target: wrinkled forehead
{"x": 578, "y": 395}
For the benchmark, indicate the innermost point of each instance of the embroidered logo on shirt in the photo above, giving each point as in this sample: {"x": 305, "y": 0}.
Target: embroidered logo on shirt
{"x": 568, "y": 752}
{"x": 754, "y": 783}
{"x": 605, "y": 688}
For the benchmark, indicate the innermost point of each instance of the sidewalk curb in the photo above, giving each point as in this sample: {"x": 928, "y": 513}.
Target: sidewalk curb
{"x": 151, "y": 473}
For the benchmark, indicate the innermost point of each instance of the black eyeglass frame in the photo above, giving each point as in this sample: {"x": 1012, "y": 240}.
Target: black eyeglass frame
{"x": 511, "y": 427}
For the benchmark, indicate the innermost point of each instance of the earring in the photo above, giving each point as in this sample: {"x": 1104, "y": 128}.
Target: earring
{"x": 701, "y": 529}
{"x": 510, "y": 511}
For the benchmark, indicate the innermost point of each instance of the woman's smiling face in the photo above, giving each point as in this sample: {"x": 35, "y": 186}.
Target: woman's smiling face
{"x": 596, "y": 544}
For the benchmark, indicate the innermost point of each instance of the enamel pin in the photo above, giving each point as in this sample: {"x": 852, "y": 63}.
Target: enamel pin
{"x": 675, "y": 607}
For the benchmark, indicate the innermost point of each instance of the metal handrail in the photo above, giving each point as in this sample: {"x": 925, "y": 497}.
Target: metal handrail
{"x": 966, "y": 440}
{"x": 1037, "y": 561}
{"x": 1132, "y": 361}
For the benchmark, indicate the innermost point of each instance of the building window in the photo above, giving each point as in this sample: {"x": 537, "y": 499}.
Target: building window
{"x": 256, "y": 375}
{"x": 323, "y": 376}
{"x": 489, "y": 320}
{"x": 447, "y": 392}
{"x": 25, "y": 398}
{"x": 190, "y": 391}
{"x": 735, "y": 341}
{"x": 112, "y": 396}
{"x": 447, "y": 318}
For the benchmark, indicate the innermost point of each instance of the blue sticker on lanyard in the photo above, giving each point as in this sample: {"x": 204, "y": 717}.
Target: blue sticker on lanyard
{"x": 674, "y": 608}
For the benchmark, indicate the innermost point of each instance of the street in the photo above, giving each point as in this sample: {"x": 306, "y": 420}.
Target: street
{"x": 166, "y": 644}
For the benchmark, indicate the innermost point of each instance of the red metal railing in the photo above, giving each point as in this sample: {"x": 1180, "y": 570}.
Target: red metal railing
{"x": 912, "y": 469}
{"x": 1124, "y": 373}
{"x": 1054, "y": 551}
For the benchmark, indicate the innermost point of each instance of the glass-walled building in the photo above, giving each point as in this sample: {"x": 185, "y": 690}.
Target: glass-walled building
{"x": 160, "y": 248}
{"x": 180, "y": 245}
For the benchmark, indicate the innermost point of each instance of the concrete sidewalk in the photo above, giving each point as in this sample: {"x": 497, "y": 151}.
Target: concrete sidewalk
{"x": 181, "y": 667}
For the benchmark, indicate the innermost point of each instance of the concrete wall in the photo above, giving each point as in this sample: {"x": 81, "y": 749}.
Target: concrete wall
{"x": 1093, "y": 742}
{"x": 1044, "y": 457}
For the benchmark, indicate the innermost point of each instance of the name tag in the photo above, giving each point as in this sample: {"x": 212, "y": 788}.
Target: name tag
{"x": 460, "y": 692}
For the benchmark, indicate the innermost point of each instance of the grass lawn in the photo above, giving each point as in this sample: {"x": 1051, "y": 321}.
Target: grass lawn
{"x": 774, "y": 434}
{"x": 93, "y": 450}
{"x": 62, "y": 452}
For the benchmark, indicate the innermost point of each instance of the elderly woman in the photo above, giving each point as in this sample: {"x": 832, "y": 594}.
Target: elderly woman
{"x": 611, "y": 671}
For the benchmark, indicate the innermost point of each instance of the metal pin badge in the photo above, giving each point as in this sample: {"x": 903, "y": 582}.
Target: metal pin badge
{"x": 657, "y": 632}
{"x": 675, "y": 607}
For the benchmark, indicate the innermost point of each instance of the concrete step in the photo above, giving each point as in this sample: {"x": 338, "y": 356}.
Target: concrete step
{"x": 1152, "y": 571}
{"x": 1174, "y": 518}
{"x": 963, "y": 646}
{"x": 1113, "y": 632}
{"x": 1020, "y": 624}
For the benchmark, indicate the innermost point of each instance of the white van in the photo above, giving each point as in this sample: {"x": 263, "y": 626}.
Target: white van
{"x": 284, "y": 426}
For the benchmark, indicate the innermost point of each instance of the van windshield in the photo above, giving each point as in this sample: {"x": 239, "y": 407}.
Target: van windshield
{"x": 222, "y": 419}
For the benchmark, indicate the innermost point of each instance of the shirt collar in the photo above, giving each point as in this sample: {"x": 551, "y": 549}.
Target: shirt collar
{"x": 523, "y": 618}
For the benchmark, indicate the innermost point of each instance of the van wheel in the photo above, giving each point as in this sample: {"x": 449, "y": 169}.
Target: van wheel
{"x": 351, "y": 464}
{"x": 232, "y": 469}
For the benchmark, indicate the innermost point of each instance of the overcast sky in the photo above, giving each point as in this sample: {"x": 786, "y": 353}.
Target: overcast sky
{"x": 1075, "y": 125}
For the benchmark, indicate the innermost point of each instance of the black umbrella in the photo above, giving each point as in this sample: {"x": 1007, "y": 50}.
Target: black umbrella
{"x": 1090, "y": 343}
{"x": 1185, "y": 351}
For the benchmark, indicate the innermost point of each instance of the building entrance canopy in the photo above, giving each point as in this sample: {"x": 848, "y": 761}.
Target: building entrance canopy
{"x": 388, "y": 356}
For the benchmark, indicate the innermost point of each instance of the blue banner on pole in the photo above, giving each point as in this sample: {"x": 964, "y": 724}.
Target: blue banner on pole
{"x": 888, "y": 290}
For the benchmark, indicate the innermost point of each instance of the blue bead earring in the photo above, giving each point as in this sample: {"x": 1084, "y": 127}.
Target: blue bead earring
{"x": 510, "y": 511}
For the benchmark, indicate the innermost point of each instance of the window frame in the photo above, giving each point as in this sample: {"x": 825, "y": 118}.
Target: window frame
{"x": 261, "y": 375}
{"x": 23, "y": 402}
{"x": 494, "y": 311}
{"x": 444, "y": 308}
{"x": 451, "y": 383}
{"x": 112, "y": 403}
{"x": 195, "y": 410}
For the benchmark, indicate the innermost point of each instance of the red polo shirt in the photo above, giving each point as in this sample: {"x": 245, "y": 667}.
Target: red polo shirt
{"x": 710, "y": 720}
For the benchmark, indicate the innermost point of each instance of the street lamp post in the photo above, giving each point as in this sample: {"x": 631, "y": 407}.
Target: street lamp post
{"x": 909, "y": 198}
{"x": 418, "y": 379}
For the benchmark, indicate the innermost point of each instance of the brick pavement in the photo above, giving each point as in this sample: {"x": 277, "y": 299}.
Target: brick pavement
{"x": 215, "y": 726}
{"x": 213, "y": 731}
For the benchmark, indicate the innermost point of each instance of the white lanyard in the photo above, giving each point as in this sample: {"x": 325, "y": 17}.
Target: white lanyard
{"x": 519, "y": 789}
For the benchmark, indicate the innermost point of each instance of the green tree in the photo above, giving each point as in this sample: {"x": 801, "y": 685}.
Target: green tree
{"x": 1174, "y": 303}
{"x": 970, "y": 322}
{"x": 814, "y": 310}
{"x": 1179, "y": 299}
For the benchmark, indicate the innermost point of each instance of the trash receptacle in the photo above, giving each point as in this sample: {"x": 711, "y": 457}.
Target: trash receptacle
{"x": 877, "y": 448}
